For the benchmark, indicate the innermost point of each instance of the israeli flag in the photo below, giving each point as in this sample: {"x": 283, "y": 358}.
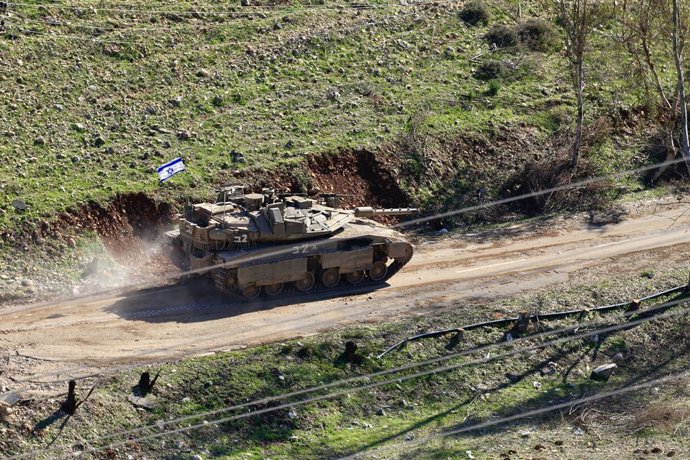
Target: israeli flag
{"x": 168, "y": 170}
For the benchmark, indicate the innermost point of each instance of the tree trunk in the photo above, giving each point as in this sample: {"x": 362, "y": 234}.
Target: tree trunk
{"x": 678, "y": 57}
{"x": 580, "y": 115}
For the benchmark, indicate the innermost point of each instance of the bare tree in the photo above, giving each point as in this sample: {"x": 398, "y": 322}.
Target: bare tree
{"x": 576, "y": 18}
{"x": 648, "y": 33}
{"x": 678, "y": 44}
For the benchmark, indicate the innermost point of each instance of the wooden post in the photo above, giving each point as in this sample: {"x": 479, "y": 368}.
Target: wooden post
{"x": 350, "y": 350}
{"x": 70, "y": 404}
{"x": 523, "y": 322}
{"x": 634, "y": 305}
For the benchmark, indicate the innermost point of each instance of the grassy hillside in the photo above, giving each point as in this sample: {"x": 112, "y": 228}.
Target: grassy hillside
{"x": 96, "y": 96}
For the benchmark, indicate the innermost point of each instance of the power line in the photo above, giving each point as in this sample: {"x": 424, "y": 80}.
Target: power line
{"x": 532, "y": 413}
{"x": 488, "y": 358}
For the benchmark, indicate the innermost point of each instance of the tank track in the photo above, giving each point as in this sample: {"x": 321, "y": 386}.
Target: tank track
{"x": 220, "y": 276}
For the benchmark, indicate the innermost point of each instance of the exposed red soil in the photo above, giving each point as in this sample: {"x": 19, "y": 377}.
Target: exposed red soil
{"x": 360, "y": 176}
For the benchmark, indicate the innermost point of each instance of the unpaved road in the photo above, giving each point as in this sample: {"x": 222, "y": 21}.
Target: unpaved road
{"x": 55, "y": 341}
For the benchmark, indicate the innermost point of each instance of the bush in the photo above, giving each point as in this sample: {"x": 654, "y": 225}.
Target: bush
{"x": 494, "y": 87}
{"x": 538, "y": 35}
{"x": 502, "y": 36}
{"x": 489, "y": 70}
{"x": 475, "y": 13}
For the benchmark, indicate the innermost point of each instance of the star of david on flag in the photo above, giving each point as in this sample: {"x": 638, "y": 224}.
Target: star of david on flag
{"x": 169, "y": 169}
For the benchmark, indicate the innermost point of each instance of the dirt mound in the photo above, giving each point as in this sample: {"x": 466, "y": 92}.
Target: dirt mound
{"x": 358, "y": 175}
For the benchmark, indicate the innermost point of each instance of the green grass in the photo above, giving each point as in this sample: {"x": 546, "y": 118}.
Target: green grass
{"x": 412, "y": 409}
{"x": 329, "y": 79}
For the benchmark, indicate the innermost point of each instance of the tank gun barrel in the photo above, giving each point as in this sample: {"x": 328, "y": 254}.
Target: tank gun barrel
{"x": 367, "y": 211}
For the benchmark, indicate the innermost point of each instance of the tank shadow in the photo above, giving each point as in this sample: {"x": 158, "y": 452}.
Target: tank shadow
{"x": 198, "y": 300}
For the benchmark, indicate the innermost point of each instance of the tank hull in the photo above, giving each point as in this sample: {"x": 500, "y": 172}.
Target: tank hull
{"x": 362, "y": 250}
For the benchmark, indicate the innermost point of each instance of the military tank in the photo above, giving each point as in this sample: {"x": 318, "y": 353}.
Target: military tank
{"x": 255, "y": 244}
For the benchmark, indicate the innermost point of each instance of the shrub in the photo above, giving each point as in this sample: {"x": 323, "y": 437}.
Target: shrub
{"x": 502, "y": 36}
{"x": 494, "y": 87}
{"x": 489, "y": 70}
{"x": 475, "y": 13}
{"x": 538, "y": 35}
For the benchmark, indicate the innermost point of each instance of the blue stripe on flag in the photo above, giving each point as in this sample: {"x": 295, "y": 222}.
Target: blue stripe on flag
{"x": 167, "y": 165}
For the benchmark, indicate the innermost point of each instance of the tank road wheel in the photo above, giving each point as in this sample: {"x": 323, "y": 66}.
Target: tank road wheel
{"x": 355, "y": 278}
{"x": 330, "y": 277}
{"x": 306, "y": 283}
{"x": 378, "y": 271}
{"x": 273, "y": 289}
{"x": 251, "y": 292}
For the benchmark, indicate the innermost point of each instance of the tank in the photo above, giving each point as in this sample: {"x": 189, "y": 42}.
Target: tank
{"x": 255, "y": 244}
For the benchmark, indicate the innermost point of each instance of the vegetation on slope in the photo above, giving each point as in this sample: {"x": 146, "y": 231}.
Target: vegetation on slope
{"x": 98, "y": 95}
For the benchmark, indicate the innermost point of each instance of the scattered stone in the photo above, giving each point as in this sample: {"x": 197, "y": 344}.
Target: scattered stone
{"x": 79, "y": 127}
{"x": 381, "y": 412}
{"x": 203, "y": 73}
{"x": 245, "y": 2}
{"x": 197, "y": 457}
{"x": 109, "y": 150}
{"x": 148, "y": 403}
{"x": 27, "y": 283}
{"x": 281, "y": 378}
{"x": 184, "y": 135}
{"x": 290, "y": 144}
{"x": 9, "y": 399}
{"x": 19, "y": 205}
{"x": 151, "y": 110}
{"x": 603, "y": 372}
{"x": 217, "y": 101}
{"x": 515, "y": 378}
{"x": 618, "y": 357}
{"x": 176, "y": 101}
{"x": 292, "y": 414}
{"x": 469, "y": 454}
{"x": 558, "y": 442}
{"x": 277, "y": 26}
{"x": 76, "y": 159}
{"x": 536, "y": 385}
{"x": 99, "y": 141}
{"x": 525, "y": 434}
{"x": 40, "y": 140}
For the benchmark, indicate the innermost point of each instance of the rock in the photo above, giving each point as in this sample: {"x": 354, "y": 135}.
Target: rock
{"x": 603, "y": 372}
{"x": 469, "y": 454}
{"x": 99, "y": 141}
{"x": 618, "y": 357}
{"x": 19, "y": 205}
{"x": 525, "y": 434}
{"x": 290, "y": 144}
{"x": 536, "y": 385}
{"x": 381, "y": 412}
{"x": 109, "y": 150}
{"x": 148, "y": 403}
{"x": 197, "y": 457}
{"x": 79, "y": 127}
{"x": 513, "y": 377}
{"x": 40, "y": 140}
{"x": 184, "y": 135}
{"x": 281, "y": 378}
{"x": 9, "y": 399}
{"x": 277, "y": 26}
{"x": 176, "y": 101}
{"x": 27, "y": 283}
{"x": 76, "y": 159}
{"x": 151, "y": 110}
{"x": 217, "y": 101}
{"x": 245, "y": 2}
{"x": 203, "y": 73}
{"x": 292, "y": 414}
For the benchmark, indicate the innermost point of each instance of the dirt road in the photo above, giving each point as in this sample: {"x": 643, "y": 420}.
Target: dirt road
{"x": 78, "y": 337}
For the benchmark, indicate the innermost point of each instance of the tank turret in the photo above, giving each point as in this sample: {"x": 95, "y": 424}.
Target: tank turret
{"x": 262, "y": 242}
